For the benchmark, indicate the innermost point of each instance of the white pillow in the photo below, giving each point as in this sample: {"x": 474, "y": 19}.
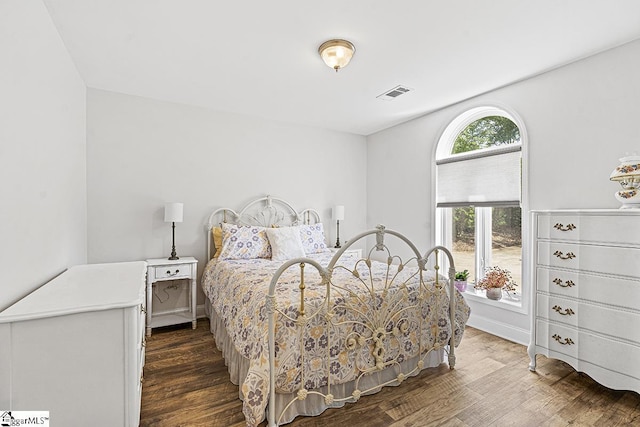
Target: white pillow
{"x": 285, "y": 243}
{"x": 312, "y": 236}
{"x": 244, "y": 242}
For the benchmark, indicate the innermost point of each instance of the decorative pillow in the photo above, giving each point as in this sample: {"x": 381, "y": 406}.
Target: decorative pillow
{"x": 285, "y": 243}
{"x": 312, "y": 236}
{"x": 244, "y": 242}
{"x": 217, "y": 240}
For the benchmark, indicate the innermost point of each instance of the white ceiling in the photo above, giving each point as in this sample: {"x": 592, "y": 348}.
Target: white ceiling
{"x": 259, "y": 58}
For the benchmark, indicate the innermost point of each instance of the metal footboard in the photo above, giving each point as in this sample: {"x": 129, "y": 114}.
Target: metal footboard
{"x": 372, "y": 324}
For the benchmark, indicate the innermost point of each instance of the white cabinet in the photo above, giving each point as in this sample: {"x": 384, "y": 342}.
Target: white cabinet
{"x": 75, "y": 347}
{"x": 586, "y": 293}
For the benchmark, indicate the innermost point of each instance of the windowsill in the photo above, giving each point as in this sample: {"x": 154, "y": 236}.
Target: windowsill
{"x": 505, "y": 303}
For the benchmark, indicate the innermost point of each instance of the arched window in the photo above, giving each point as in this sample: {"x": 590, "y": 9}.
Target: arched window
{"x": 478, "y": 193}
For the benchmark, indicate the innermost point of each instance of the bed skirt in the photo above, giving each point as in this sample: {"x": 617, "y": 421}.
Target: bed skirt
{"x": 313, "y": 405}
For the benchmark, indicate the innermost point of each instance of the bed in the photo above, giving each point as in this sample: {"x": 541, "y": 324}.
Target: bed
{"x": 304, "y": 328}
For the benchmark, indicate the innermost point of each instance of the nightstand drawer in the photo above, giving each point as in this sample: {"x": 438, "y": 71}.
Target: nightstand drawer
{"x": 171, "y": 272}
{"x": 355, "y": 253}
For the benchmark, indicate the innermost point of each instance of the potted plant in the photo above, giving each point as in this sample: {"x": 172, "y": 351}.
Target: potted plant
{"x": 496, "y": 280}
{"x": 460, "y": 280}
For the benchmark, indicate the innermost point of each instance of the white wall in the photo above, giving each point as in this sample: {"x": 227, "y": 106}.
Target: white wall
{"x": 579, "y": 118}
{"x": 42, "y": 152}
{"x": 142, "y": 153}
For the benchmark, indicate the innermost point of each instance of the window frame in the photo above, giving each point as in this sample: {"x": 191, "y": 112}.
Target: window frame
{"x": 442, "y": 231}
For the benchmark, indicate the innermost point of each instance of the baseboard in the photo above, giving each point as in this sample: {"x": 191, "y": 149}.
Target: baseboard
{"x": 502, "y": 330}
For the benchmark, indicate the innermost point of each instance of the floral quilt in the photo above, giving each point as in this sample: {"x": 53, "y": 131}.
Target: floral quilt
{"x": 237, "y": 290}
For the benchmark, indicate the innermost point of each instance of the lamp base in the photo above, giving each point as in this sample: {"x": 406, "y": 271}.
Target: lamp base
{"x": 173, "y": 256}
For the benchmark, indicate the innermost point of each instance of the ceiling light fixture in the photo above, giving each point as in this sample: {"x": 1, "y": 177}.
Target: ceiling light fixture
{"x": 336, "y": 53}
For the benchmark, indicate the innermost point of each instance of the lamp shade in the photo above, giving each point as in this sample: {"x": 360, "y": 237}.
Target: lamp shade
{"x": 338, "y": 213}
{"x": 173, "y": 212}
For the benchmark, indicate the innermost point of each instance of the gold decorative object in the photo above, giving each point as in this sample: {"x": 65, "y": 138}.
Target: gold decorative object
{"x": 627, "y": 173}
{"x": 567, "y": 311}
{"x": 561, "y": 227}
{"x": 569, "y": 255}
{"x": 302, "y": 287}
{"x": 566, "y": 341}
{"x": 567, "y": 284}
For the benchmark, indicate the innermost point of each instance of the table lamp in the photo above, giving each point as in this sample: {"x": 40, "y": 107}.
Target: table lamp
{"x": 338, "y": 215}
{"x": 173, "y": 214}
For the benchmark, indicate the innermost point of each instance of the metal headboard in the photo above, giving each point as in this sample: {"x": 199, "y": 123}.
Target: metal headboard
{"x": 265, "y": 211}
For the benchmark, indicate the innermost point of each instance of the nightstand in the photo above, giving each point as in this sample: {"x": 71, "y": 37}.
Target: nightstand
{"x": 355, "y": 252}
{"x": 161, "y": 270}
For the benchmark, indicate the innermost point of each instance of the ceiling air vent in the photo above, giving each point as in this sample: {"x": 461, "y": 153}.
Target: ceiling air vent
{"x": 394, "y": 93}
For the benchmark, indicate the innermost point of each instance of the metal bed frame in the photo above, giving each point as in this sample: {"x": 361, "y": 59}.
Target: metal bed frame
{"x": 382, "y": 315}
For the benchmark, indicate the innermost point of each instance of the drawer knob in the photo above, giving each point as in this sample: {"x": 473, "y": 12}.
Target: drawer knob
{"x": 561, "y": 227}
{"x": 566, "y": 341}
{"x": 565, "y": 312}
{"x": 169, "y": 273}
{"x": 569, "y": 255}
{"x": 566, "y": 284}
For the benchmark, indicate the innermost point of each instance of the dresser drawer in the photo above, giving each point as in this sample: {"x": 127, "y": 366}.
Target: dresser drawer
{"x": 604, "y": 289}
{"x": 170, "y": 272}
{"x": 614, "y": 355}
{"x": 595, "y": 318}
{"x": 623, "y": 229}
{"x": 557, "y": 338}
{"x": 593, "y": 258}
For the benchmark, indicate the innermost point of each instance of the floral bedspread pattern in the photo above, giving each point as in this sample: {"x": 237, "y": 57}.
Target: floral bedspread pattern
{"x": 341, "y": 347}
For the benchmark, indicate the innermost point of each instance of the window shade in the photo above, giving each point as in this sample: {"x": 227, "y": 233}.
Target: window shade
{"x": 488, "y": 177}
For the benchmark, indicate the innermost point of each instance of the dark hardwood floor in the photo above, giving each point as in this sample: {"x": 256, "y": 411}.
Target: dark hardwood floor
{"x": 187, "y": 384}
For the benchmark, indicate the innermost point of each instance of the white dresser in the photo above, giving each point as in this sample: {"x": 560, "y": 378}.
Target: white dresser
{"x": 75, "y": 347}
{"x": 586, "y": 293}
